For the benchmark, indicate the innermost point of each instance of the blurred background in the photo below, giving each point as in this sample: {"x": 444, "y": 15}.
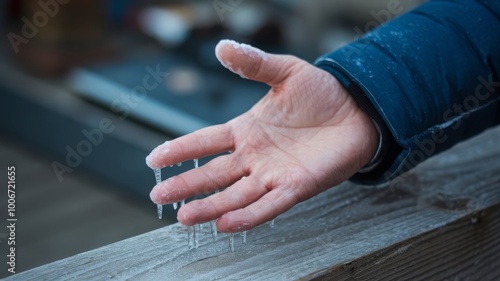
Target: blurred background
{"x": 88, "y": 88}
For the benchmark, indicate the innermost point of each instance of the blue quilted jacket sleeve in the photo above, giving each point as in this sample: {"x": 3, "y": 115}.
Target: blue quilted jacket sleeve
{"x": 430, "y": 78}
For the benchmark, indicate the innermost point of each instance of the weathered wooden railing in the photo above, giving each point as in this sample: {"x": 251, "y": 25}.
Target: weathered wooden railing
{"x": 442, "y": 222}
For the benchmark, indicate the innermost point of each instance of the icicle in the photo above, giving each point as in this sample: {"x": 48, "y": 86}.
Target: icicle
{"x": 213, "y": 229}
{"x": 189, "y": 236}
{"x": 189, "y": 230}
{"x": 244, "y": 235}
{"x": 231, "y": 242}
{"x": 157, "y": 175}
{"x": 271, "y": 223}
{"x": 213, "y": 226}
{"x": 159, "y": 207}
{"x": 179, "y": 164}
{"x": 195, "y": 237}
{"x": 195, "y": 162}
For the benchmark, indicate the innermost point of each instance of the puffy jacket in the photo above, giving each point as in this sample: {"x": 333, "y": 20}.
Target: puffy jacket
{"x": 429, "y": 78}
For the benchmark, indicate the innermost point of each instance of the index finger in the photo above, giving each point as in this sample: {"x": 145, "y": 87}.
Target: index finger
{"x": 199, "y": 144}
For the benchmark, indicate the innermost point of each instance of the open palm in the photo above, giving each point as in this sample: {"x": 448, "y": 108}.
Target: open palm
{"x": 306, "y": 135}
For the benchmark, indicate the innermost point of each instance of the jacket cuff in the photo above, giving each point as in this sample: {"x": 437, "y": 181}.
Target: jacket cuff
{"x": 411, "y": 84}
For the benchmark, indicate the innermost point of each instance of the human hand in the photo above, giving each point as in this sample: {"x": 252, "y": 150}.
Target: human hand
{"x": 305, "y": 136}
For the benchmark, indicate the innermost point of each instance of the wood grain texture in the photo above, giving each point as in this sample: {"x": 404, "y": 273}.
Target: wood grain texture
{"x": 440, "y": 223}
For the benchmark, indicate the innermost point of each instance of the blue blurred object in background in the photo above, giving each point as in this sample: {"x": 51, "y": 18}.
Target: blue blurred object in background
{"x": 119, "y": 11}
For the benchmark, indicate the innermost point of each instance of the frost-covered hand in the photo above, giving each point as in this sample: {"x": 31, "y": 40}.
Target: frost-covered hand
{"x": 306, "y": 135}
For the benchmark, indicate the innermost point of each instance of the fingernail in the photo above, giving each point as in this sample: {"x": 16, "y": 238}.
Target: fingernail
{"x": 155, "y": 159}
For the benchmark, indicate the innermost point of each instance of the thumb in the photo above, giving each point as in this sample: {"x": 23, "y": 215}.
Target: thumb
{"x": 255, "y": 64}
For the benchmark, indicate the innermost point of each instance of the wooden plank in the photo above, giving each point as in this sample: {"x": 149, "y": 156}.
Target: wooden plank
{"x": 441, "y": 222}
{"x": 466, "y": 249}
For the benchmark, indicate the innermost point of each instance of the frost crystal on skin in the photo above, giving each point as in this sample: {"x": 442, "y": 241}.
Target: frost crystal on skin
{"x": 158, "y": 180}
{"x": 240, "y": 49}
{"x": 153, "y": 159}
